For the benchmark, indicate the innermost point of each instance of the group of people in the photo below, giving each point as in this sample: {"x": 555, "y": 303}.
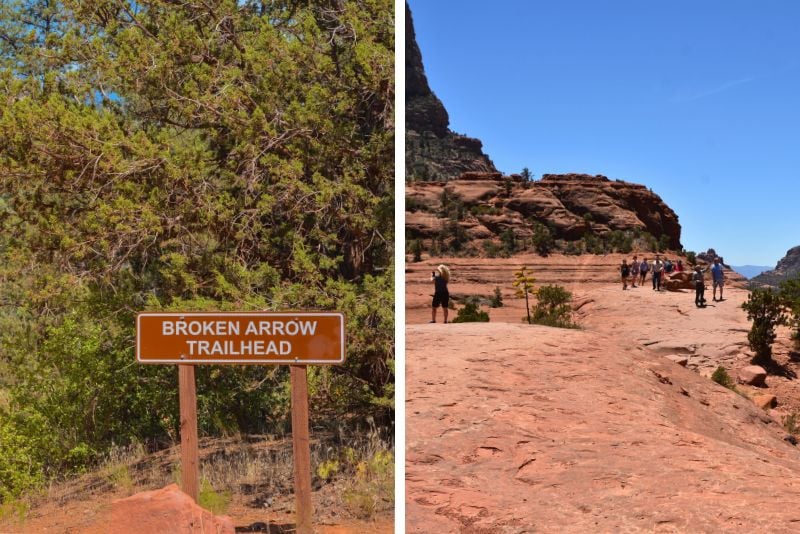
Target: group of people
{"x": 631, "y": 272}
{"x": 638, "y": 271}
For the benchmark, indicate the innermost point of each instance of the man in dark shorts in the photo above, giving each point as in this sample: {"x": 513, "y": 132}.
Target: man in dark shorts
{"x": 441, "y": 296}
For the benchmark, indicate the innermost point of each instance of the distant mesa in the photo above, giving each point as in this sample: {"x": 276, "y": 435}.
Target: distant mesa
{"x": 433, "y": 151}
{"x": 788, "y": 267}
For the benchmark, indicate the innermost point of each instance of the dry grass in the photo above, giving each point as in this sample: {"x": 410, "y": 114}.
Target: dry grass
{"x": 252, "y": 472}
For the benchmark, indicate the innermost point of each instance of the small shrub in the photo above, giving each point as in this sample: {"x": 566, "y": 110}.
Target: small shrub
{"x": 573, "y": 248}
{"x": 791, "y": 423}
{"x": 120, "y": 477}
{"x": 413, "y": 205}
{"x": 765, "y": 308}
{"x": 497, "y": 298}
{"x": 372, "y": 487}
{"x": 491, "y": 249}
{"x": 691, "y": 258}
{"x": 593, "y": 244}
{"x": 542, "y": 239}
{"x": 328, "y": 469}
{"x": 663, "y": 243}
{"x": 509, "y": 241}
{"x": 213, "y": 501}
{"x": 721, "y": 377}
{"x": 471, "y": 313}
{"x": 552, "y": 308}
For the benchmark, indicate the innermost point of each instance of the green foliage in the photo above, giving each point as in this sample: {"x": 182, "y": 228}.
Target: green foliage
{"x": 372, "y": 487}
{"x": 453, "y": 237}
{"x": 573, "y": 248}
{"x": 691, "y": 258}
{"x": 764, "y": 308}
{"x": 509, "y": 241}
{"x": 526, "y": 174}
{"x": 542, "y": 239}
{"x": 21, "y": 465}
{"x": 523, "y": 281}
{"x": 485, "y": 209}
{"x": 213, "y": 501}
{"x": 620, "y": 241}
{"x": 413, "y": 204}
{"x": 790, "y": 298}
{"x": 207, "y": 156}
{"x": 663, "y": 243}
{"x": 593, "y": 244}
{"x": 553, "y": 308}
{"x": 497, "y": 298}
{"x": 491, "y": 249}
{"x": 721, "y": 377}
{"x": 471, "y": 313}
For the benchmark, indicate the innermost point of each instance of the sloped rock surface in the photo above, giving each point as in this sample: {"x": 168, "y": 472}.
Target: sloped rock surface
{"x": 517, "y": 428}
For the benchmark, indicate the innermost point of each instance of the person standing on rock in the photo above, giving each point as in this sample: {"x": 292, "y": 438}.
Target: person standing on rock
{"x": 717, "y": 278}
{"x": 643, "y": 268}
{"x": 658, "y": 270}
{"x": 699, "y": 286}
{"x": 679, "y": 267}
{"x": 625, "y": 271}
{"x": 634, "y": 271}
{"x": 441, "y": 296}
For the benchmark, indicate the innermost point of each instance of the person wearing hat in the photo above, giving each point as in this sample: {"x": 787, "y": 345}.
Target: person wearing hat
{"x": 699, "y": 286}
{"x": 441, "y": 296}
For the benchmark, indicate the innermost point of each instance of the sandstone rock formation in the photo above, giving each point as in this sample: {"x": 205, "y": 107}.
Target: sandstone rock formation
{"x": 788, "y": 267}
{"x": 506, "y": 419}
{"x": 165, "y": 510}
{"x": 433, "y": 152}
{"x": 486, "y": 204}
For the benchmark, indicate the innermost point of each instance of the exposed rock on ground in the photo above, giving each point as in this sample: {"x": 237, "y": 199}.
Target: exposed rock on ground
{"x": 165, "y": 510}
{"x": 519, "y": 428}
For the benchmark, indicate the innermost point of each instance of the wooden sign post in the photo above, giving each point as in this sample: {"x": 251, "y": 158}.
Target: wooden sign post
{"x": 301, "y": 449}
{"x": 190, "y": 461}
{"x": 194, "y": 338}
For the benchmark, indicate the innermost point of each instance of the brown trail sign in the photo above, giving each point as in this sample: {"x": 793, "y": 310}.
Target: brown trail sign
{"x": 193, "y": 338}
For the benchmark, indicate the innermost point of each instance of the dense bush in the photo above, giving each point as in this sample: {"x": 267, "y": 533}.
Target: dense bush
{"x": 542, "y": 239}
{"x": 471, "y": 313}
{"x": 790, "y": 297}
{"x": 552, "y": 307}
{"x": 247, "y": 164}
{"x": 765, "y": 308}
{"x": 497, "y": 298}
{"x": 721, "y": 377}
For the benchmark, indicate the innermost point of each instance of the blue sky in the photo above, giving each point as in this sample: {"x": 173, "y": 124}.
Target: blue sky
{"x": 699, "y": 100}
